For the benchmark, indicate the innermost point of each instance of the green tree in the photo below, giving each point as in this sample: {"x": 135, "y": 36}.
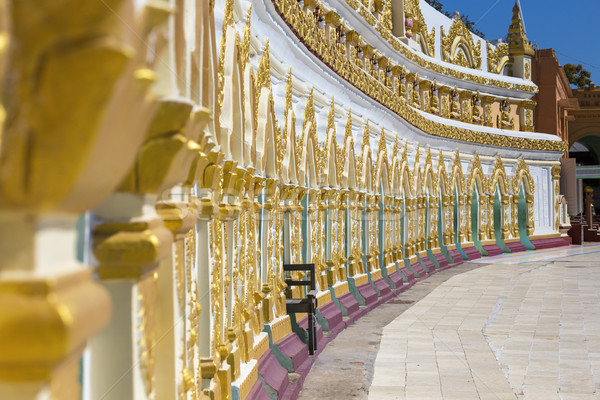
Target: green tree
{"x": 577, "y": 75}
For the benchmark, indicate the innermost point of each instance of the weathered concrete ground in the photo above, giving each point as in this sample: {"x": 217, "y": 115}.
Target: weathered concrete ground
{"x": 344, "y": 370}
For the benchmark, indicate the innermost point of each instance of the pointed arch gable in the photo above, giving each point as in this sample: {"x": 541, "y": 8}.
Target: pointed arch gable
{"x": 266, "y": 143}
{"x": 499, "y": 178}
{"x": 367, "y": 168}
{"x": 289, "y": 174}
{"x": 308, "y": 160}
{"x": 349, "y": 179}
{"x": 522, "y": 175}
{"x": 429, "y": 176}
{"x": 382, "y": 174}
{"x": 249, "y": 116}
{"x": 404, "y": 176}
{"x": 457, "y": 176}
{"x": 443, "y": 181}
{"x": 329, "y": 173}
{"x": 476, "y": 177}
{"x": 232, "y": 110}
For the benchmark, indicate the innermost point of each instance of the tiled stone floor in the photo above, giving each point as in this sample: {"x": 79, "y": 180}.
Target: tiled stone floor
{"x": 522, "y": 330}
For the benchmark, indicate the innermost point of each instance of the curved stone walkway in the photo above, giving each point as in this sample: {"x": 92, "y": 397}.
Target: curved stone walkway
{"x": 344, "y": 370}
{"x": 527, "y": 331}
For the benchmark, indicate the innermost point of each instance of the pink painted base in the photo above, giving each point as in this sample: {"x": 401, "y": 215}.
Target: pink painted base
{"x": 420, "y": 271}
{"x": 258, "y": 391}
{"x": 272, "y": 372}
{"x": 350, "y": 303}
{"x": 369, "y": 294}
{"x": 472, "y": 252}
{"x": 549, "y": 243}
{"x": 456, "y": 256}
{"x": 442, "y": 261}
{"x": 409, "y": 275}
{"x": 516, "y": 247}
{"x": 397, "y": 280}
{"x": 333, "y": 315}
{"x": 304, "y": 325}
{"x": 492, "y": 250}
{"x": 293, "y": 347}
{"x": 429, "y": 264}
{"x": 385, "y": 291}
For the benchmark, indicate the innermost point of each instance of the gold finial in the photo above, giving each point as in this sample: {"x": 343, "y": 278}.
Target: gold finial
{"x": 404, "y": 156}
{"x": 348, "y": 129}
{"x": 396, "y": 147}
{"x": 366, "y": 137}
{"x": 245, "y": 47}
{"x": 386, "y": 15}
{"x": 428, "y": 157}
{"x": 288, "y": 94}
{"x": 382, "y": 146}
{"x": 518, "y": 44}
{"x": 228, "y": 14}
{"x": 264, "y": 69}
{"x": 331, "y": 117}
{"x": 417, "y": 154}
{"x": 309, "y": 112}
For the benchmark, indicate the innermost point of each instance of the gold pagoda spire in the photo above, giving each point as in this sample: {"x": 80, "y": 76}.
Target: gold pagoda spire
{"x": 518, "y": 44}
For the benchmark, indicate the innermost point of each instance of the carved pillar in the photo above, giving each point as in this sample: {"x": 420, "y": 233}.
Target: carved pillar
{"x": 555, "y": 197}
{"x": 530, "y": 223}
{"x": 486, "y": 103}
{"x": 344, "y": 234}
{"x": 468, "y": 224}
{"x": 359, "y": 228}
{"x": 444, "y": 92}
{"x": 487, "y": 205}
{"x": 514, "y": 223}
{"x": 505, "y": 216}
{"x": 465, "y": 105}
{"x": 177, "y": 314}
{"x": 525, "y": 112}
{"x": 55, "y": 138}
{"x": 330, "y": 236}
{"x": 424, "y": 94}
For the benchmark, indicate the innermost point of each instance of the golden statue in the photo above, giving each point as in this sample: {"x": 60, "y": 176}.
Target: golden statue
{"x": 475, "y": 109}
{"x": 415, "y": 101}
{"x": 454, "y": 107}
{"x": 434, "y": 108}
{"x": 504, "y": 121}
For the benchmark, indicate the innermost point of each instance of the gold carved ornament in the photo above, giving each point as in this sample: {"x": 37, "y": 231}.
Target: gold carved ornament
{"x": 497, "y": 58}
{"x": 458, "y": 46}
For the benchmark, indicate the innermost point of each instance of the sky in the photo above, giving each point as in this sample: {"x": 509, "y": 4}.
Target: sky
{"x": 571, "y": 28}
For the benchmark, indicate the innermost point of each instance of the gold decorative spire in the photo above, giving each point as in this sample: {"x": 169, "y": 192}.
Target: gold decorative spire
{"x": 263, "y": 74}
{"x": 331, "y": 117}
{"x": 245, "y": 47}
{"x": 288, "y": 96}
{"x": 404, "y": 157}
{"x": 428, "y": 160}
{"x": 348, "y": 129}
{"x": 309, "y": 113}
{"x": 386, "y": 15}
{"x": 227, "y": 21}
{"x": 417, "y": 155}
{"x": 518, "y": 44}
{"x": 396, "y": 147}
{"x": 382, "y": 147}
{"x": 365, "y": 138}
{"x": 347, "y": 134}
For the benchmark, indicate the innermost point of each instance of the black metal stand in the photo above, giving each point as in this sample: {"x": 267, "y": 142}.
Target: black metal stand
{"x": 306, "y": 305}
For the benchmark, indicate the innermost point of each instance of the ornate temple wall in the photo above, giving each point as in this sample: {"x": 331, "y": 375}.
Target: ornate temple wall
{"x": 207, "y": 143}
